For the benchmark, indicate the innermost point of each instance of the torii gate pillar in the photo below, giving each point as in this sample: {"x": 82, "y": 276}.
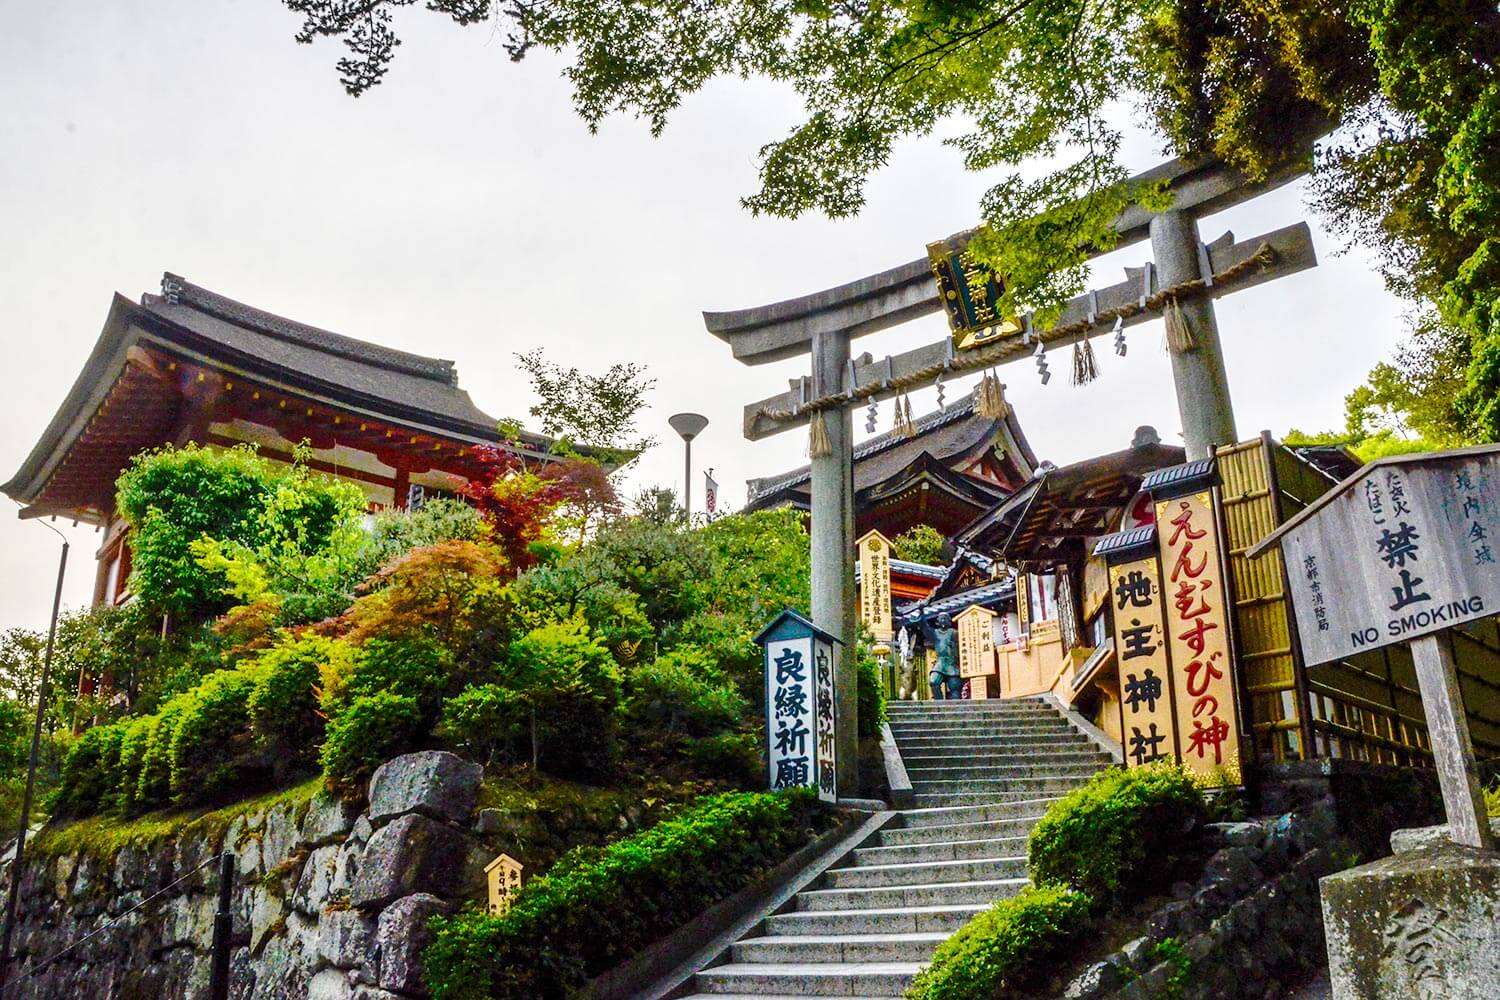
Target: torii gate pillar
{"x": 833, "y": 549}
{"x": 1198, "y": 374}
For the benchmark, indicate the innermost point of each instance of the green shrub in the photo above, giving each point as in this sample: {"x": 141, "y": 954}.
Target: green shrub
{"x": 154, "y": 783}
{"x": 485, "y": 720}
{"x": 871, "y": 690}
{"x": 124, "y": 796}
{"x": 597, "y": 907}
{"x": 283, "y": 703}
{"x": 88, "y": 766}
{"x": 174, "y": 496}
{"x": 681, "y": 693}
{"x": 372, "y": 729}
{"x": 413, "y": 666}
{"x": 920, "y": 543}
{"x": 734, "y": 757}
{"x": 212, "y": 741}
{"x": 570, "y": 684}
{"x": 1109, "y": 837}
{"x": 1003, "y": 946}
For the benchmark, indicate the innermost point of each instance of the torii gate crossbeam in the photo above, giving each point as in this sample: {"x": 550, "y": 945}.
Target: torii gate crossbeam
{"x": 1184, "y": 270}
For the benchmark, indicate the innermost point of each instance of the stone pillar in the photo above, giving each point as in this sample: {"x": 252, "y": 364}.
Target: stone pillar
{"x": 1202, "y": 386}
{"x": 833, "y": 548}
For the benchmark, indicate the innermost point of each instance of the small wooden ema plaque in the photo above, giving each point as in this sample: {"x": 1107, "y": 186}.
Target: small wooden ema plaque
{"x": 504, "y": 875}
{"x": 1401, "y": 551}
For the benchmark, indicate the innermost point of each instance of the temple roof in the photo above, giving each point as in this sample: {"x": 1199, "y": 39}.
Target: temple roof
{"x": 1049, "y": 520}
{"x": 208, "y": 332}
{"x": 900, "y": 481}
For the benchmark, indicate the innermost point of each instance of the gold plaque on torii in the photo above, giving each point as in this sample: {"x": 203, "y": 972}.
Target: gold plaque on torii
{"x": 971, "y": 294}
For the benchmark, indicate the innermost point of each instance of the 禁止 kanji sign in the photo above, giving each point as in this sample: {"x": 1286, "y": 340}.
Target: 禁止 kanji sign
{"x": 801, "y": 714}
{"x": 1406, "y": 549}
{"x": 1145, "y": 672}
{"x": 1197, "y": 624}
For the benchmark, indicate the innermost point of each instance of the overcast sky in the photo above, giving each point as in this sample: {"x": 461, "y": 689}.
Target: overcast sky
{"x": 461, "y": 210}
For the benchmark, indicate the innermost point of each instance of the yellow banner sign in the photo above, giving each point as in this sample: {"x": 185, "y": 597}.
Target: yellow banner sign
{"x": 1197, "y": 622}
{"x": 976, "y": 642}
{"x": 1145, "y": 673}
{"x": 875, "y": 585}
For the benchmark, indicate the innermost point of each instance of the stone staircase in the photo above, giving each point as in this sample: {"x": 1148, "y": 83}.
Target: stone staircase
{"x": 982, "y": 773}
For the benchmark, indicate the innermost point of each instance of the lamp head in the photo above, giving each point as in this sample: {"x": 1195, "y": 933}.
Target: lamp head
{"x": 688, "y": 425}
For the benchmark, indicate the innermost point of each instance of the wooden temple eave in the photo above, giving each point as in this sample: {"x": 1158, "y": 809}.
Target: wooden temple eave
{"x": 160, "y": 397}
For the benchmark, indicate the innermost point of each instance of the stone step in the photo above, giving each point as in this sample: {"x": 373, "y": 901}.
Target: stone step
{"x": 973, "y": 812}
{"x": 940, "y": 800}
{"x": 1002, "y": 710}
{"x": 894, "y": 896}
{"x": 1049, "y": 723}
{"x": 911, "y": 946}
{"x": 998, "y": 772}
{"x": 911, "y": 919}
{"x": 952, "y": 850}
{"x": 1011, "y": 758}
{"x": 959, "y": 751}
{"x": 760, "y": 996}
{"x": 992, "y": 829}
{"x": 984, "y": 734}
{"x": 924, "y": 873}
{"x": 1001, "y": 786}
{"x": 807, "y": 979}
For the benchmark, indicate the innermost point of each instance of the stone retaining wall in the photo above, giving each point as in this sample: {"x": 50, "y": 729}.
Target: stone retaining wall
{"x": 330, "y": 903}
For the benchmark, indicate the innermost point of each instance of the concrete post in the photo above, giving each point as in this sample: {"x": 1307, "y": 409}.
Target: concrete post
{"x": 1202, "y": 386}
{"x": 833, "y": 548}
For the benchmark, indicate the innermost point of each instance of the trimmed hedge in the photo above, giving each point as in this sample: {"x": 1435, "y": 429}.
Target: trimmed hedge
{"x": 1111, "y": 836}
{"x": 372, "y": 729}
{"x": 597, "y": 907}
{"x": 998, "y": 949}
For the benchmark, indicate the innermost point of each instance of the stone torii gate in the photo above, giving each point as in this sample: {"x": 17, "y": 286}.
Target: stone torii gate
{"x": 1185, "y": 272}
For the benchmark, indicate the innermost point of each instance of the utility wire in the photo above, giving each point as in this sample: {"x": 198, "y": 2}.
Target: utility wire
{"x": 34, "y": 970}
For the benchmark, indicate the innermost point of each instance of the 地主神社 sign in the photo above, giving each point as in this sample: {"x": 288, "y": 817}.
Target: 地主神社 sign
{"x": 801, "y": 714}
{"x": 1407, "y": 547}
{"x": 1145, "y": 673}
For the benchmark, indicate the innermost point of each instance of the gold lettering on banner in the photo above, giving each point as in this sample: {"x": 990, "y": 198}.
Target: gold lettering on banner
{"x": 1149, "y": 726}
{"x": 875, "y": 585}
{"x": 1208, "y": 722}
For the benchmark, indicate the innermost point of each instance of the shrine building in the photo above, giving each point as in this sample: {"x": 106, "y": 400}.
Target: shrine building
{"x": 1122, "y": 591}
{"x": 190, "y": 365}
{"x": 957, "y": 465}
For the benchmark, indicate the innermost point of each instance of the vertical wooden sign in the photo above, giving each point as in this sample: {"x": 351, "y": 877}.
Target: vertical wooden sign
{"x": 875, "y": 585}
{"x": 825, "y": 723}
{"x": 976, "y": 641}
{"x": 976, "y": 649}
{"x": 801, "y": 715}
{"x": 1150, "y": 732}
{"x": 1197, "y": 623}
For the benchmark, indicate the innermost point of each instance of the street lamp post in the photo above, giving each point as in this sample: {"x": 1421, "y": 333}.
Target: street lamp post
{"x": 36, "y": 743}
{"x": 687, "y": 426}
